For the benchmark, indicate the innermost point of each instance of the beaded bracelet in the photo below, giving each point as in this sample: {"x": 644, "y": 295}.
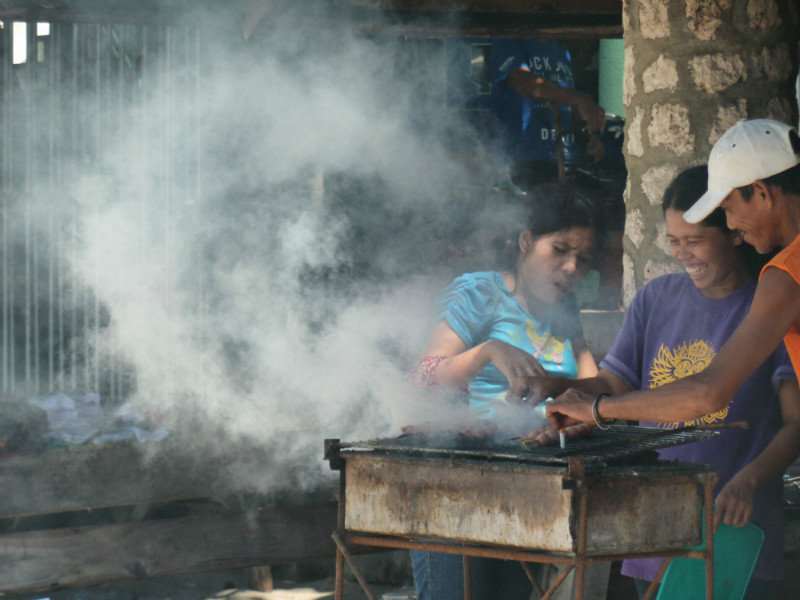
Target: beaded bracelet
{"x": 605, "y": 425}
{"x": 423, "y": 372}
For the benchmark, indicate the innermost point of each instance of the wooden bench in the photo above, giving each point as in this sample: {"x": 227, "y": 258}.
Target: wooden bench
{"x": 89, "y": 515}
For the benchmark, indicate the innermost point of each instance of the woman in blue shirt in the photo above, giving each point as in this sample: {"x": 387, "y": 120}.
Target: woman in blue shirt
{"x": 496, "y": 325}
{"x": 524, "y": 319}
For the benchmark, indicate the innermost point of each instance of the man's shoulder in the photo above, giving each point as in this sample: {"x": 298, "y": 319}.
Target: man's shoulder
{"x": 787, "y": 259}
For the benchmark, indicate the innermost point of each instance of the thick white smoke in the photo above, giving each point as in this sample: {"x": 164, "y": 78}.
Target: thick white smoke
{"x": 266, "y": 226}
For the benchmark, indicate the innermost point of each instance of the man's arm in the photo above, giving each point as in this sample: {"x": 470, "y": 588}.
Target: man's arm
{"x": 535, "y": 87}
{"x": 776, "y": 306}
{"x": 536, "y": 389}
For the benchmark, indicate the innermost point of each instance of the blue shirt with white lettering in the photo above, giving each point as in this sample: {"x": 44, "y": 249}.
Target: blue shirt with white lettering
{"x": 529, "y": 124}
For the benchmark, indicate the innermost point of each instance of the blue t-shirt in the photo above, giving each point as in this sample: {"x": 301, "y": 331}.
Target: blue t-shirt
{"x": 671, "y": 331}
{"x": 480, "y": 307}
{"x": 529, "y": 124}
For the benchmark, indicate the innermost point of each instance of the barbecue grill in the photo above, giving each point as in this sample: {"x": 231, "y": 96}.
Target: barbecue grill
{"x": 604, "y": 497}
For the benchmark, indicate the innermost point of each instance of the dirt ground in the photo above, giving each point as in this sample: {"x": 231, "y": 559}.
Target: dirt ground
{"x": 217, "y": 585}
{"x": 313, "y": 580}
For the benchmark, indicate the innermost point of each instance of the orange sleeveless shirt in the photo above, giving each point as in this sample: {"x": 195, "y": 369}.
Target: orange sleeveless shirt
{"x": 788, "y": 260}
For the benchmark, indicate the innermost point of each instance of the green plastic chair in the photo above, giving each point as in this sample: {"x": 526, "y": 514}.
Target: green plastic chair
{"x": 736, "y": 550}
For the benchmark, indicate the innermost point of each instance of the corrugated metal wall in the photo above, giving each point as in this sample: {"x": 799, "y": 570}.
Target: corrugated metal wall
{"x": 79, "y": 85}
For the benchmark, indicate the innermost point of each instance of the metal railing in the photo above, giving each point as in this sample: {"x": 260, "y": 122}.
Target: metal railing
{"x": 79, "y": 86}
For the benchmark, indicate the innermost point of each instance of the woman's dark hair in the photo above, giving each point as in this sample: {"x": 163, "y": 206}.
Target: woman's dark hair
{"x": 684, "y": 191}
{"x": 548, "y": 208}
{"x": 552, "y": 207}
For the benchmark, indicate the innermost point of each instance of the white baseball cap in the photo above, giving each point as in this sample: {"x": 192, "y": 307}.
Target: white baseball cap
{"x": 747, "y": 152}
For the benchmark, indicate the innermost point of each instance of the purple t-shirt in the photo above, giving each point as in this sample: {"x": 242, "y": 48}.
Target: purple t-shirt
{"x": 672, "y": 331}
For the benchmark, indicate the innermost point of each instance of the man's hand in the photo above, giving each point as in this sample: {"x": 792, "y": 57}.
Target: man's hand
{"x": 593, "y": 114}
{"x": 547, "y": 436}
{"x": 573, "y": 406}
{"x": 595, "y": 148}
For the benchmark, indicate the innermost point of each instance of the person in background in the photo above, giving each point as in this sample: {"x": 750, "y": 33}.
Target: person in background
{"x": 604, "y": 178}
{"x": 532, "y": 85}
{"x": 511, "y": 91}
{"x": 496, "y": 325}
{"x": 671, "y": 330}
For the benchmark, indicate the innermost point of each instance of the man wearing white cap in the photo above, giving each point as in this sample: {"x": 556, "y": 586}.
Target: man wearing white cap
{"x": 754, "y": 176}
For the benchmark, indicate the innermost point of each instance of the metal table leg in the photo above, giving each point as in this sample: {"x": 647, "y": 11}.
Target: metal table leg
{"x": 362, "y": 581}
{"x": 709, "y": 549}
{"x": 467, "y": 578}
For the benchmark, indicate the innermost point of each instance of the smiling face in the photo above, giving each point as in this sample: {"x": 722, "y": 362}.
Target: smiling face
{"x": 708, "y": 254}
{"x": 552, "y": 264}
{"x": 751, "y": 218}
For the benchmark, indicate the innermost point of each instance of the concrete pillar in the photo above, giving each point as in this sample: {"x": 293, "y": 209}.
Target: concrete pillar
{"x": 692, "y": 69}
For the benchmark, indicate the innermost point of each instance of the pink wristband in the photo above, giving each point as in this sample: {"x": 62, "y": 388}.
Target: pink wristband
{"x": 423, "y": 372}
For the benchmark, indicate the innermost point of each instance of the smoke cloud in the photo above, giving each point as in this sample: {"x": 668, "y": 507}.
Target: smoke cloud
{"x": 264, "y": 225}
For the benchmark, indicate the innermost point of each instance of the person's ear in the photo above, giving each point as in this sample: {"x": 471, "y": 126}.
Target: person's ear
{"x": 762, "y": 191}
{"x": 525, "y": 242}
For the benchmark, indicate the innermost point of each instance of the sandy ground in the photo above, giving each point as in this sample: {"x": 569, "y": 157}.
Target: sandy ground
{"x": 218, "y": 585}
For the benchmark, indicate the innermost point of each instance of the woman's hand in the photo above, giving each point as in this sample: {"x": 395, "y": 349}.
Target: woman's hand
{"x": 734, "y": 503}
{"x": 534, "y": 389}
{"x": 512, "y": 361}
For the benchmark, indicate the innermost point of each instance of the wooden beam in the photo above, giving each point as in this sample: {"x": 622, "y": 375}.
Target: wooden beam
{"x": 566, "y": 19}
{"x": 516, "y": 31}
{"x": 124, "y": 474}
{"x": 501, "y": 6}
{"x": 448, "y": 18}
{"x": 39, "y": 560}
{"x": 442, "y": 24}
{"x": 588, "y": 7}
{"x": 163, "y": 12}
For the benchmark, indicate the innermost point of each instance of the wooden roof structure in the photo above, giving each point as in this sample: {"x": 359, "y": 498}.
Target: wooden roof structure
{"x": 574, "y": 19}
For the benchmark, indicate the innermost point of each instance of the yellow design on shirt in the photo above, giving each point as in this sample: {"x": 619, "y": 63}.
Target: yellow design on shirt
{"x": 546, "y": 347}
{"x": 514, "y": 335}
{"x": 687, "y": 359}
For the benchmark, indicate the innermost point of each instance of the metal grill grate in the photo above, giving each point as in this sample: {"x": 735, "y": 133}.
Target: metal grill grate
{"x": 619, "y": 442}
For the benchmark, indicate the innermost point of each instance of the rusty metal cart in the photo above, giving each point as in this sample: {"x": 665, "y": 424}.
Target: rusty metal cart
{"x": 606, "y": 497}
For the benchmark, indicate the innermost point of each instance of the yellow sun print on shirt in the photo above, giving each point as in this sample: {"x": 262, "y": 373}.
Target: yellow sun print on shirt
{"x": 687, "y": 359}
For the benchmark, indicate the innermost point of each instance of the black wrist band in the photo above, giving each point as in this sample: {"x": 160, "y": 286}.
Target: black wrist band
{"x": 602, "y": 424}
